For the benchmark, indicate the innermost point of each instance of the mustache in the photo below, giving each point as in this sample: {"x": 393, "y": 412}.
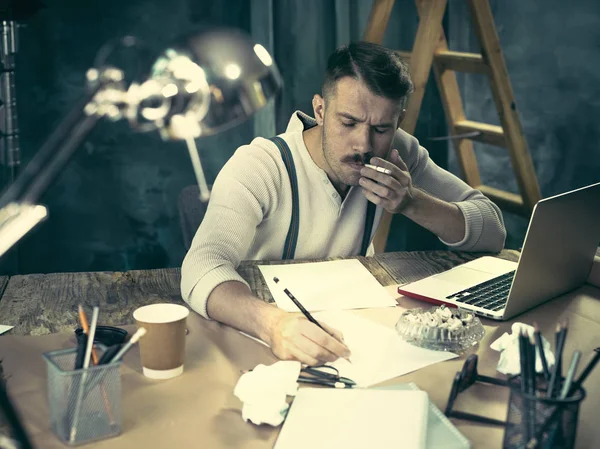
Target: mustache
{"x": 357, "y": 158}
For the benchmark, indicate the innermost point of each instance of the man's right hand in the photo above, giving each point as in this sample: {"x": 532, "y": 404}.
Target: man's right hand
{"x": 293, "y": 337}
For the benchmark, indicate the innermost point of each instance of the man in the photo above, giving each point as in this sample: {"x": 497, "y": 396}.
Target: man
{"x": 355, "y": 122}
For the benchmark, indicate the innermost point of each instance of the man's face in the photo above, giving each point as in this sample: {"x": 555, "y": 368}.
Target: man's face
{"x": 356, "y": 126}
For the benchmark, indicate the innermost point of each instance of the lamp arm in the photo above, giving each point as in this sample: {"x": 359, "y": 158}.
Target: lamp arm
{"x": 40, "y": 161}
{"x": 18, "y": 211}
{"x": 54, "y": 166}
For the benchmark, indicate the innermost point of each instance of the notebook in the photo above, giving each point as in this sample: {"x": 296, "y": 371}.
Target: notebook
{"x": 441, "y": 433}
{"x": 322, "y": 418}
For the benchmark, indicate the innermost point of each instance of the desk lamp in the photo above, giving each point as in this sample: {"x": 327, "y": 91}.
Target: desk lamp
{"x": 202, "y": 84}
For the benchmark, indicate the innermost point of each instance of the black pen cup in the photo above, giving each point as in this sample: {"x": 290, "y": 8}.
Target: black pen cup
{"x": 107, "y": 335}
{"x": 536, "y": 421}
{"x": 85, "y": 405}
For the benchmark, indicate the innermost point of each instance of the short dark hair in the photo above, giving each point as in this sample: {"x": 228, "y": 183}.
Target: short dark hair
{"x": 382, "y": 70}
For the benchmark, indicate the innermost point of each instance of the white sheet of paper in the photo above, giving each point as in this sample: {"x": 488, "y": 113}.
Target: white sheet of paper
{"x": 338, "y": 284}
{"x": 322, "y": 418}
{"x": 4, "y": 328}
{"x": 378, "y": 352}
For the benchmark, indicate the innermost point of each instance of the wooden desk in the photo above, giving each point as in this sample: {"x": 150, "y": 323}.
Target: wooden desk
{"x": 198, "y": 408}
{"x": 40, "y": 304}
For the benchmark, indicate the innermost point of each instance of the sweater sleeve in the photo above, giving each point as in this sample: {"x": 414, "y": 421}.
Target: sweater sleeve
{"x": 484, "y": 223}
{"x": 244, "y": 193}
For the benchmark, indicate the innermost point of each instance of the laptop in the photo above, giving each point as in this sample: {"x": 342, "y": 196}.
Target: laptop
{"x": 557, "y": 256}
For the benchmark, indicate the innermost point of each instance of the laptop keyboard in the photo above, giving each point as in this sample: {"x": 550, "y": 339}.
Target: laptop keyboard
{"x": 490, "y": 295}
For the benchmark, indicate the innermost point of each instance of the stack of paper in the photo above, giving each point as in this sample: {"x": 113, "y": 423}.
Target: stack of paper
{"x": 339, "y": 284}
{"x": 331, "y": 418}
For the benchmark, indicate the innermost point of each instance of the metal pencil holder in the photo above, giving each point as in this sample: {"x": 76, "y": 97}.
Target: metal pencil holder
{"x": 85, "y": 405}
{"x": 535, "y": 421}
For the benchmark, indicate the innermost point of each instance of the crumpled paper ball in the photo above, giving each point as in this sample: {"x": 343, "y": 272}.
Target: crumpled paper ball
{"x": 508, "y": 345}
{"x": 264, "y": 391}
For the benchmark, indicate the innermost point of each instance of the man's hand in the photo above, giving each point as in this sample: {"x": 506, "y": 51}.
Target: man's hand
{"x": 293, "y": 337}
{"x": 392, "y": 191}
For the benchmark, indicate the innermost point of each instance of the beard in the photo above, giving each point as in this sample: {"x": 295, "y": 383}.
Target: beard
{"x": 339, "y": 167}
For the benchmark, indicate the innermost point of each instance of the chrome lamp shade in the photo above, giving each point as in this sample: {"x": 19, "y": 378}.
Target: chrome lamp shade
{"x": 200, "y": 85}
{"x": 220, "y": 77}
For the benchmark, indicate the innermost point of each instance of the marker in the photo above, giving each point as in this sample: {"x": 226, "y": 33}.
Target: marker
{"x": 385, "y": 171}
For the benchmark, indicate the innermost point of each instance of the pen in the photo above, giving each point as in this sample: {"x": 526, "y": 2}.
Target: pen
{"x": 385, "y": 171}
{"x": 80, "y": 352}
{"x": 324, "y": 382}
{"x": 305, "y": 312}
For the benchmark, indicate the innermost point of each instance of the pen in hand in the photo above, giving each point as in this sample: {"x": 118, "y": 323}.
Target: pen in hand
{"x": 305, "y": 312}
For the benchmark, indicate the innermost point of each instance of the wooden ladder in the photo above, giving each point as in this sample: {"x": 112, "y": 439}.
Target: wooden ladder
{"x": 431, "y": 49}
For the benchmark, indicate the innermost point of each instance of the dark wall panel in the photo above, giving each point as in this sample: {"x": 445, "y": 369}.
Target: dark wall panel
{"x": 114, "y": 207}
{"x": 551, "y": 51}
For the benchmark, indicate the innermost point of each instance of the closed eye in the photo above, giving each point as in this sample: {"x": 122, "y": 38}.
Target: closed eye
{"x": 381, "y": 130}
{"x": 348, "y": 125}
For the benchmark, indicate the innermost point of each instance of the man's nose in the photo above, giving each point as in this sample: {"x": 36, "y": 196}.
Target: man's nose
{"x": 363, "y": 140}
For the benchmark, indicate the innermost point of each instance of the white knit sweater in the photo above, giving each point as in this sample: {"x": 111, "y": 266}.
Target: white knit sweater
{"x": 249, "y": 212}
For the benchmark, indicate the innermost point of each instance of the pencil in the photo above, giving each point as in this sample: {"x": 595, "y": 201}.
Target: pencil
{"x": 556, "y": 376}
{"x": 86, "y": 329}
{"x": 586, "y": 372}
{"x": 305, "y": 312}
{"x": 563, "y": 336}
{"x": 570, "y": 374}
{"x": 540, "y": 347}
{"x": 523, "y": 357}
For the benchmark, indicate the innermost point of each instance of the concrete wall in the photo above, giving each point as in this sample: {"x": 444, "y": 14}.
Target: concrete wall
{"x": 114, "y": 207}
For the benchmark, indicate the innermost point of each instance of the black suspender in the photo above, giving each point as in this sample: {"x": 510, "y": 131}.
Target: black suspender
{"x": 289, "y": 248}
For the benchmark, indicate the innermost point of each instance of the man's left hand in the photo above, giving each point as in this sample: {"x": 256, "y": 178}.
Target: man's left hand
{"x": 392, "y": 191}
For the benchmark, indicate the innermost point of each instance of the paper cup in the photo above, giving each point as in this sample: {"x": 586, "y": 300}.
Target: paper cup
{"x": 163, "y": 347}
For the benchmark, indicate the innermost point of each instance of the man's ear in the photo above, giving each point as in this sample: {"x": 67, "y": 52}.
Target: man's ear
{"x": 402, "y": 115}
{"x": 318, "y": 104}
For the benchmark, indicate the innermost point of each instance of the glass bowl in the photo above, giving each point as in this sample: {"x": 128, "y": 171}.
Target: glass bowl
{"x": 440, "y": 328}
